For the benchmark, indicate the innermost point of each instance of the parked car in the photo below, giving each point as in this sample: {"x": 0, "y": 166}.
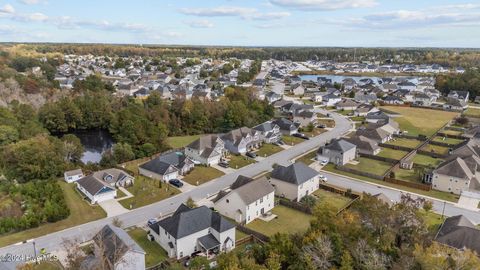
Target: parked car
{"x": 321, "y": 126}
{"x": 323, "y": 162}
{"x": 176, "y": 183}
{"x": 323, "y": 178}
{"x": 223, "y": 164}
{"x": 151, "y": 221}
{"x": 301, "y": 135}
{"x": 281, "y": 142}
{"x": 251, "y": 155}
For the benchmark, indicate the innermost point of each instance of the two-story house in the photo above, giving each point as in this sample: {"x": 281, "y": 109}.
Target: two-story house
{"x": 241, "y": 140}
{"x": 269, "y": 132}
{"x": 206, "y": 150}
{"x": 247, "y": 199}
{"x": 338, "y": 152}
{"x": 295, "y": 181}
{"x": 457, "y": 175}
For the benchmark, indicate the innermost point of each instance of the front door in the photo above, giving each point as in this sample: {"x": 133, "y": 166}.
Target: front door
{"x": 262, "y": 211}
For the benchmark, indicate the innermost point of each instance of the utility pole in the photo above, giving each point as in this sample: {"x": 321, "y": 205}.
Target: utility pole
{"x": 443, "y": 211}
{"x": 35, "y": 252}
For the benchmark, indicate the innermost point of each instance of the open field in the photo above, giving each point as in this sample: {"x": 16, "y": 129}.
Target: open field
{"x": 287, "y": 221}
{"x": 370, "y": 166}
{"x": 290, "y": 140}
{"x": 426, "y": 160}
{"x": 202, "y": 174}
{"x": 336, "y": 200}
{"x": 432, "y": 193}
{"x": 240, "y": 161}
{"x": 436, "y": 149}
{"x": 420, "y": 121}
{"x": 146, "y": 191}
{"x": 268, "y": 150}
{"x": 391, "y": 153}
{"x": 405, "y": 142}
{"x": 80, "y": 212}
{"x": 447, "y": 140}
{"x": 181, "y": 141}
{"x": 155, "y": 253}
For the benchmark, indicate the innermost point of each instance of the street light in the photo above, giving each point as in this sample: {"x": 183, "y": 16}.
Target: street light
{"x": 35, "y": 252}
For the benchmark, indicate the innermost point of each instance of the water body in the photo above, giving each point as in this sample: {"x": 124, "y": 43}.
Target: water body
{"x": 340, "y": 78}
{"x": 95, "y": 143}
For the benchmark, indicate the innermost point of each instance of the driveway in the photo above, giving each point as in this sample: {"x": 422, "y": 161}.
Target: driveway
{"x": 112, "y": 208}
{"x": 222, "y": 169}
{"x": 186, "y": 186}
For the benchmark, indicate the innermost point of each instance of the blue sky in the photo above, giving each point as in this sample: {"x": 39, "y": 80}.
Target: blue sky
{"x": 370, "y": 23}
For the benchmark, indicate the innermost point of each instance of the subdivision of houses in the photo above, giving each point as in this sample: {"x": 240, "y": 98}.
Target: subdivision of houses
{"x": 269, "y": 132}
{"x": 207, "y": 150}
{"x": 338, "y": 152}
{"x": 241, "y": 140}
{"x": 294, "y": 181}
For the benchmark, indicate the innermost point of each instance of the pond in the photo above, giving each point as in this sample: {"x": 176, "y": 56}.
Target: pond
{"x": 95, "y": 143}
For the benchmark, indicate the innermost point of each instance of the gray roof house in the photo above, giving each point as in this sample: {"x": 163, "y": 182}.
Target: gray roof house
{"x": 460, "y": 233}
{"x": 206, "y": 150}
{"x": 457, "y": 175}
{"x": 114, "y": 249}
{"x": 95, "y": 189}
{"x": 191, "y": 230}
{"x": 241, "y": 140}
{"x": 270, "y": 132}
{"x": 460, "y": 95}
{"x": 115, "y": 177}
{"x": 167, "y": 166}
{"x": 294, "y": 181}
{"x": 364, "y": 145}
{"x": 287, "y": 127}
{"x": 338, "y": 152}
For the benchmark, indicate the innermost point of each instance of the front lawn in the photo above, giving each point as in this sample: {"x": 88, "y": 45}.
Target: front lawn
{"x": 314, "y": 132}
{"x": 155, "y": 254}
{"x": 268, "y": 150}
{"x": 202, "y": 174}
{"x": 426, "y": 160}
{"x": 329, "y": 123}
{"x": 288, "y": 221}
{"x": 345, "y": 112}
{"x": 447, "y": 140}
{"x": 391, "y": 153}
{"x": 146, "y": 191}
{"x": 419, "y": 120}
{"x": 81, "y": 212}
{"x": 308, "y": 158}
{"x": 357, "y": 118}
{"x": 334, "y": 199}
{"x": 181, "y": 141}
{"x": 436, "y": 149}
{"x": 290, "y": 140}
{"x": 371, "y": 166}
{"x": 410, "y": 143}
{"x": 239, "y": 161}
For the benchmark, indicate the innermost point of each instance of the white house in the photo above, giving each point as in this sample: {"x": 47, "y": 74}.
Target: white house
{"x": 96, "y": 190}
{"x": 166, "y": 167}
{"x": 247, "y": 199}
{"x": 331, "y": 99}
{"x": 295, "y": 181}
{"x": 206, "y": 150}
{"x": 73, "y": 175}
{"x": 338, "y": 152}
{"x": 189, "y": 231}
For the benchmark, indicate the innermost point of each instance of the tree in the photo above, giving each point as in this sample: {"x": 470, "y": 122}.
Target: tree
{"x": 8, "y": 134}
{"x": 72, "y": 148}
{"x": 347, "y": 261}
{"x": 427, "y": 206}
{"x": 190, "y": 203}
{"x": 462, "y": 120}
{"x": 437, "y": 256}
{"x": 122, "y": 152}
{"x": 309, "y": 201}
{"x": 199, "y": 263}
{"x": 320, "y": 252}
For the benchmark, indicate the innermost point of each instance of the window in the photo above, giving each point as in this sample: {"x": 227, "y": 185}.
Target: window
{"x": 228, "y": 201}
{"x": 261, "y": 200}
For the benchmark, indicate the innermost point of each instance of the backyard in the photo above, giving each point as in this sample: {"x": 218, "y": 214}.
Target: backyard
{"x": 441, "y": 150}
{"x": 426, "y": 160}
{"x": 287, "y": 221}
{"x": 146, "y": 191}
{"x": 391, "y": 153}
{"x": 370, "y": 166}
{"x": 80, "y": 212}
{"x": 268, "y": 150}
{"x": 408, "y": 175}
{"x": 239, "y": 161}
{"x": 410, "y": 143}
{"x": 154, "y": 252}
{"x": 420, "y": 121}
{"x": 447, "y": 140}
{"x": 181, "y": 141}
{"x": 201, "y": 174}
{"x": 336, "y": 200}
{"x": 472, "y": 112}
{"x": 452, "y": 132}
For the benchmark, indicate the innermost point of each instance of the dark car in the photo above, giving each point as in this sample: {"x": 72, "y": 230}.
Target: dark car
{"x": 251, "y": 155}
{"x": 176, "y": 183}
{"x": 301, "y": 135}
{"x": 223, "y": 164}
{"x": 151, "y": 221}
{"x": 321, "y": 126}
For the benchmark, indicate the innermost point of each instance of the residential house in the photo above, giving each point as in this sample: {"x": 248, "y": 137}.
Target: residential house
{"x": 347, "y": 105}
{"x": 295, "y": 181}
{"x": 286, "y": 126}
{"x": 193, "y": 230}
{"x": 364, "y": 97}
{"x": 455, "y": 104}
{"x": 376, "y": 116}
{"x": 331, "y": 99}
{"x": 304, "y": 118}
{"x": 460, "y": 95}
{"x": 207, "y": 150}
{"x": 393, "y": 100}
{"x": 114, "y": 249}
{"x": 364, "y": 145}
{"x": 317, "y": 96}
{"x": 246, "y": 200}
{"x": 297, "y": 89}
{"x": 73, "y": 175}
{"x": 115, "y": 177}
{"x": 338, "y": 152}
{"x": 271, "y": 97}
{"x": 422, "y": 99}
{"x": 269, "y": 132}
{"x": 457, "y": 175}
{"x": 166, "y": 167}
{"x": 460, "y": 233}
{"x": 96, "y": 190}
{"x": 407, "y": 85}
{"x": 241, "y": 140}
{"x": 364, "y": 109}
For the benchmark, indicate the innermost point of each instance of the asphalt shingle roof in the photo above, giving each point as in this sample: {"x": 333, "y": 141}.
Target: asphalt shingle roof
{"x": 297, "y": 173}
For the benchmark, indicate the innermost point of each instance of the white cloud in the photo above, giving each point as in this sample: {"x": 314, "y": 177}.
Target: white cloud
{"x": 267, "y": 16}
{"x": 226, "y": 11}
{"x": 7, "y": 9}
{"x": 200, "y": 24}
{"x": 31, "y": 17}
{"x": 324, "y": 4}
{"x": 30, "y": 2}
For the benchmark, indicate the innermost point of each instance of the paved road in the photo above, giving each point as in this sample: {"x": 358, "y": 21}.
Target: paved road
{"x": 85, "y": 232}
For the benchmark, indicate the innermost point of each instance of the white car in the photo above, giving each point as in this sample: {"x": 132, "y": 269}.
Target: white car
{"x": 323, "y": 162}
{"x": 323, "y": 178}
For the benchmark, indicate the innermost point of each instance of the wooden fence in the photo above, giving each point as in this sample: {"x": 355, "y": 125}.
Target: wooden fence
{"x": 350, "y": 170}
{"x": 295, "y": 205}
{"x": 396, "y": 147}
{"x": 408, "y": 184}
{"x": 256, "y": 234}
{"x": 384, "y": 159}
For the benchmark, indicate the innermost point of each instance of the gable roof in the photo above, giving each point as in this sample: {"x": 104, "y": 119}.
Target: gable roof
{"x": 460, "y": 233}
{"x": 93, "y": 185}
{"x": 158, "y": 166}
{"x": 457, "y": 167}
{"x": 340, "y": 145}
{"x": 296, "y": 173}
{"x": 207, "y": 141}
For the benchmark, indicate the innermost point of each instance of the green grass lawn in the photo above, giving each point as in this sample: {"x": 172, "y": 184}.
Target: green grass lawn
{"x": 426, "y": 160}
{"x": 181, "y": 141}
{"x": 268, "y": 150}
{"x": 336, "y": 200}
{"x": 407, "y": 175}
{"x": 308, "y": 158}
{"x": 155, "y": 253}
{"x": 447, "y": 140}
{"x": 239, "y": 161}
{"x": 420, "y": 121}
{"x": 432, "y": 193}
{"x": 314, "y": 132}
{"x": 345, "y": 112}
{"x": 80, "y": 212}
{"x": 290, "y": 140}
{"x": 330, "y": 123}
{"x": 452, "y": 132}
{"x": 239, "y": 235}
{"x": 472, "y": 112}
{"x": 391, "y": 153}
{"x": 432, "y": 220}
{"x": 202, "y": 174}
{"x": 357, "y": 118}
{"x": 405, "y": 142}
{"x": 370, "y": 166}
{"x": 120, "y": 193}
{"x": 288, "y": 221}
{"x": 146, "y": 191}
{"x": 436, "y": 149}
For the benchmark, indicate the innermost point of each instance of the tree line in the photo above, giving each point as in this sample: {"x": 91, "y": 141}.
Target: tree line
{"x": 468, "y": 81}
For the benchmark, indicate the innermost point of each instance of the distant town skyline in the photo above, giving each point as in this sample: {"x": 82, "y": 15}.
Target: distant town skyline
{"x": 344, "y": 23}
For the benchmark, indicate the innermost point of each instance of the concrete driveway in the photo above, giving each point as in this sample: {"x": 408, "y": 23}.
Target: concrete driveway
{"x": 222, "y": 169}
{"x": 112, "y": 208}
{"x": 186, "y": 186}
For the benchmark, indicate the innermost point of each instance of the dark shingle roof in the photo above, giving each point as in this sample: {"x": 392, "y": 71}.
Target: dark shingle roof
{"x": 340, "y": 145}
{"x": 460, "y": 233}
{"x": 297, "y": 173}
{"x": 92, "y": 185}
{"x": 158, "y": 166}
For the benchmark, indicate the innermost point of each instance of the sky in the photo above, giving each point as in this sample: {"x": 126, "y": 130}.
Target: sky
{"x": 317, "y": 23}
